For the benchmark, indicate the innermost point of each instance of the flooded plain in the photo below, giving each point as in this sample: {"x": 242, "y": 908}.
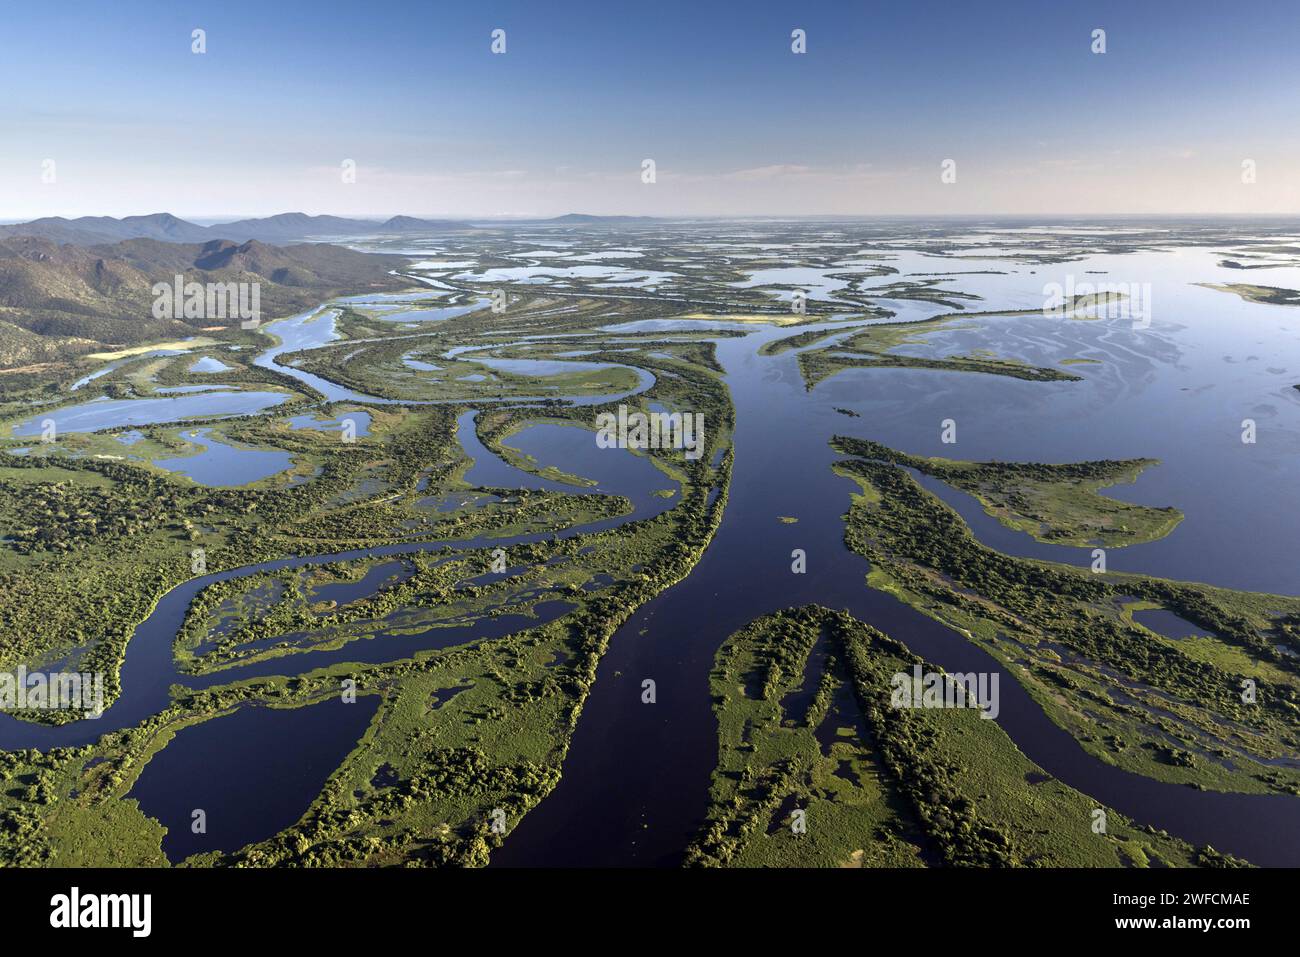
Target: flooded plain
{"x": 1177, "y": 386}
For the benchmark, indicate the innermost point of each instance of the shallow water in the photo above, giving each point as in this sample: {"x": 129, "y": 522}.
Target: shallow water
{"x": 359, "y": 418}
{"x": 432, "y": 315}
{"x": 208, "y": 364}
{"x": 1176, "y": 391}
{"x": 107, "y": 413}
{"x": 117, "y": 363}
{"x": 343, "y": 592}
{"x": 219, "y": 465}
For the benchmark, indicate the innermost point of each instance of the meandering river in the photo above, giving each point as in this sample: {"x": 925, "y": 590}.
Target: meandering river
{"x": 635, "y": 782}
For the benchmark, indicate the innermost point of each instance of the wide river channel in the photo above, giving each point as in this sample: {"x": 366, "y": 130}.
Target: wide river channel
{"x": 635, "y": 782}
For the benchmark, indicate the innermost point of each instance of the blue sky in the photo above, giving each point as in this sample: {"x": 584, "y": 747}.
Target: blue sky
{"x": 735, "y": 122}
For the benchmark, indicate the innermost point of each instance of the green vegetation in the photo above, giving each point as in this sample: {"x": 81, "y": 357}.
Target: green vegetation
{"x": 1053, "y": 503}
{"x": 1150, "y": 704}
{"x": 812, "y": 336}
{"x": 462, "y": 730}
{"x": 875, "y": 345}
{"x": 88, "y": 557}
{"x": 805, "y": 722}
{"x": 480, "y": 675}
{"x": 817, "y": 366}
{"x": 498, "y": 743}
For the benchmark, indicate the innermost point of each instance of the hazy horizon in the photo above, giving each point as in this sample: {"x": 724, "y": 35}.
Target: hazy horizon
{"x": 1052, "y": 218}
{"x": 737, "y": 124}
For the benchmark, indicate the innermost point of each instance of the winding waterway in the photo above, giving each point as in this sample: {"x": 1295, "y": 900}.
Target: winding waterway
{"x": 635, "y": 782}
{"x": 636, "y": 779}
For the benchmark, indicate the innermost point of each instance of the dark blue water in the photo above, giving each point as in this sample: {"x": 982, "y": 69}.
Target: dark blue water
{"x": 635, "y": 784}
{"x": 248, "y": 792}
{"x": 636, "y": 780}
{"x": 149, "y": 669}
{"x": 343, "y": 592}
{"x": 1165, "y": 622}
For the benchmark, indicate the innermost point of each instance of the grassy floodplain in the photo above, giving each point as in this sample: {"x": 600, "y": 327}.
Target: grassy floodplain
{"x": 478, "y": 678}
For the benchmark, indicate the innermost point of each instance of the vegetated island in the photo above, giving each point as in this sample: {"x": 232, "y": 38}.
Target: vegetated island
{"x": 1059, "y": 504}
{"x": 1267, "y": 295}
{"x": 1165, "y": 707}
{"x": 818, "y": 768}
{"x": 873, "y": 348}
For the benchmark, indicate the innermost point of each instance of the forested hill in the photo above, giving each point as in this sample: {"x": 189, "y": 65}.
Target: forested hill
{"x": 60, "y": 300}
{"x": 281, "y": 228}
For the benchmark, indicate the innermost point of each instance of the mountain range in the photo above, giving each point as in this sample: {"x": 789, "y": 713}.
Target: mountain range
{"x": 285, "y": 227}
{"x": 58, "y": 300}
{"x": 72, "y": 286}
{"x": 281, "y": 228}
